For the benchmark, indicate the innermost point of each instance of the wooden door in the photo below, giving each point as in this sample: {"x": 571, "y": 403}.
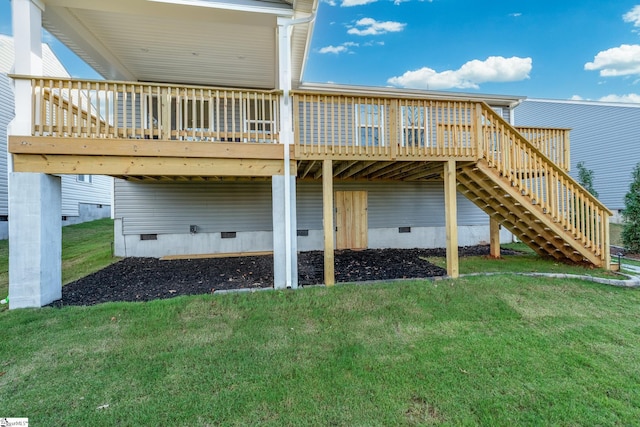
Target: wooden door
{"x": 351, "y": 220}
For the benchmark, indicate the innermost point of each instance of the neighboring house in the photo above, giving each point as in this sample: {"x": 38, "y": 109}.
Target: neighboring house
{"x": 218, "y": 147}
{"x": 84, "y": 197}
{"x": 594, "y": 125}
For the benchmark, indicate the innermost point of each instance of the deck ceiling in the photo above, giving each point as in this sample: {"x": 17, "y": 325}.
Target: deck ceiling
{"x": 374, "y": 170}
{"x": 180, "y": 41}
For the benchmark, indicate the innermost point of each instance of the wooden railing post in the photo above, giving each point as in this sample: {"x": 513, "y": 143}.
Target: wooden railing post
{"x": 478, "y": 131}
{"x": 394, "y": 130}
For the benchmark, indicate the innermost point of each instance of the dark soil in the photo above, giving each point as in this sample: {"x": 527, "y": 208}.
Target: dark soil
{"x": 617, "y": 250}
{"x": 145, "y": 279}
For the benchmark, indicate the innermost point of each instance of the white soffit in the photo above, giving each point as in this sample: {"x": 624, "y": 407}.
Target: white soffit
{"x": 157, "y": 41}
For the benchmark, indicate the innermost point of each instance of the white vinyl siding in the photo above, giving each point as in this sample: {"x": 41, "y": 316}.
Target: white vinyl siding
{"x": 74, "y": 192}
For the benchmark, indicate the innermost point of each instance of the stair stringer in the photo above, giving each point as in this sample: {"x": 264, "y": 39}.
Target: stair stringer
{"x": 494, "y": 194}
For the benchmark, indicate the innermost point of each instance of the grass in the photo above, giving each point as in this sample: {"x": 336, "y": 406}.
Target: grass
{"x": 483, "y": 350}
{"x": 528, "y": 262}
{"x": 475, "y": 351}
{"x": 86, "y": 248}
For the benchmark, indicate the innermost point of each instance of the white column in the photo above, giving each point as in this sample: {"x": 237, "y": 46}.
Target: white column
{"x": 27, "y": 28}
{"x": 280, "y": 279}
{"x": 35, "y": 229}
{"x": 290, "y": 256}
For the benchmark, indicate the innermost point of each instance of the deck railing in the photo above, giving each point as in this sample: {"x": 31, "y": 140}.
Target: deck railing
{"x": 330, "y": 124}
{"x": 103, "y": 109}
{"x": 545, "y": 182}
{"x": 552, "y": 142}
{"x": 382, "y": 127}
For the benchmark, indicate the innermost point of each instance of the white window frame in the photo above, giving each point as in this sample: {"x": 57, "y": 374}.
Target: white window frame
{"x": 374, "y": 120}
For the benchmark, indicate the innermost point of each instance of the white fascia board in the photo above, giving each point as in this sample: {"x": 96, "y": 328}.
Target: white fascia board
{"x": 238, "y": 5}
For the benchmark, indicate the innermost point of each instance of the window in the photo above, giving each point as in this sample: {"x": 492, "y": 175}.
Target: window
{"x": 84, "y": 178}
{"x": 414, "y": 123}
{"x": 258, "y": 113}
{"x": 194, "y": 114}
{"x": 370, "y": 124}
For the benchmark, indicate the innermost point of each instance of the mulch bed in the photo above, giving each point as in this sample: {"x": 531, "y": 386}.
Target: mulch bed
{"x": 145, "y": 279}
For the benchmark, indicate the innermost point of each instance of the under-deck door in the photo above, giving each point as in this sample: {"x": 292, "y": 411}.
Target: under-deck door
{"x": 351, "y": 220}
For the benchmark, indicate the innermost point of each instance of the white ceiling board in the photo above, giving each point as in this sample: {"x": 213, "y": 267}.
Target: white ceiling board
{"x": 164, "y": 42}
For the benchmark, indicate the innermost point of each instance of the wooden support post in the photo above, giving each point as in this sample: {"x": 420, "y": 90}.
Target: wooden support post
{"x": 494, "y": 238}
{"x": 606, "y": 243}
{"x": 327, "y": 221}
{"x": 451, "y": 221}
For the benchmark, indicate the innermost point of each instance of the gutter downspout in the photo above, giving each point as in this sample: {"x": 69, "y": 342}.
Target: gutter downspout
{"x": 284, "y": 72}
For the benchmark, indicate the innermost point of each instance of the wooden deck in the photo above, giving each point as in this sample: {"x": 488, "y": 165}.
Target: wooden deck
{"x": 148, "y": 131}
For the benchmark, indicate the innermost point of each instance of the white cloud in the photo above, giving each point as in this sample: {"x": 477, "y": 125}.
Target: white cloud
{"x": 617, "y": 61}
{"x": 633, "y": 16}
{"x": 350, "y": 3}
{"x": 577, "y": 98}
{"x": 371, "y": 27}
{"x": 515, "y": 15}
{"x": 333, "y": 49}
{"x": 631, "y": 97}
{"x": 343, "y": 48}
{"x": 469, "y": 76}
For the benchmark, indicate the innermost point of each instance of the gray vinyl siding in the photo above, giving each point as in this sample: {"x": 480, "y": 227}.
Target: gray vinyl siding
{"x": 390, "y": 204}
{"x": 6, "y": 115}
{"x": 606, "y": 137}
{"x": 168, "y": 208}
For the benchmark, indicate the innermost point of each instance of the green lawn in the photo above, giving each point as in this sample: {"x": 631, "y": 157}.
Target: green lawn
{"x": 483, "y": 350}
{"x": 86, "y": 248}
{"x": 475, "y": 351}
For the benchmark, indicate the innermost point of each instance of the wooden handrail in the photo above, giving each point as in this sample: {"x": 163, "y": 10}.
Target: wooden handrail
{"x": 546, "y": 184}
{"x": 64, "y": 107}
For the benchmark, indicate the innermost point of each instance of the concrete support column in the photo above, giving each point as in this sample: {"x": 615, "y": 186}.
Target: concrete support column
{"x": 284, "y": 260}
{"x": 451, "y": 218}
{"x": 35, "y": 208}
{"x": 35, "y": 239}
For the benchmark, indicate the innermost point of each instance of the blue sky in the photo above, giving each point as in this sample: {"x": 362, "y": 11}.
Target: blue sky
{"x": 561, "y": 49}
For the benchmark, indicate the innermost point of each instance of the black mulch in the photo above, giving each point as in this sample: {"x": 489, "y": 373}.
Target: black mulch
{"x": 145, "y": 279}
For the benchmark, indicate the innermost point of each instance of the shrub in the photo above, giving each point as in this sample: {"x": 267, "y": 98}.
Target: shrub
{"x": 585, "y": 178}
{"x": 631, "y": 214}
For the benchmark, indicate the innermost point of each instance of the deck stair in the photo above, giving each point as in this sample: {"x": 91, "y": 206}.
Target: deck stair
{"x": 534, "y": 198}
